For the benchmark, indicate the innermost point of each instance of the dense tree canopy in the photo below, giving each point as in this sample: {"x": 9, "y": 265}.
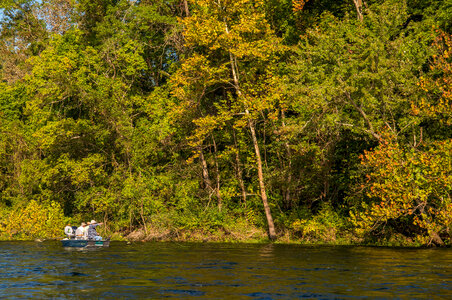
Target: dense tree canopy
{"x": 316, "y": 120}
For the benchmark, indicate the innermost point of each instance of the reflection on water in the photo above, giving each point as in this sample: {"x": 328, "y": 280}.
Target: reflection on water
{"x": 267, "y": 251}
{"x": 222, "y": 271}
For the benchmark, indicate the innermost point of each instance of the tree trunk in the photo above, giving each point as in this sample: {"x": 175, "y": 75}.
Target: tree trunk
{"x": 359, "y": 8}
{"x": 217, "y": 169}
{"x": 205, "y": 171}
{"x": 143, "y": 219}
{"x": 187, "y": 11}
{"x": 436, "y": 239}
{"x": 239, "y": 169}
{"x": 287, "y": 197}
{"x": 271, "y": 225}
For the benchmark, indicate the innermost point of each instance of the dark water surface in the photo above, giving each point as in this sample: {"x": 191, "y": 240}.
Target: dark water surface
{"x": 222, "y": 271}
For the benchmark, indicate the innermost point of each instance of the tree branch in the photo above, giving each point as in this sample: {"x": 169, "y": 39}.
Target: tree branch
{"x": 363, "y": 114}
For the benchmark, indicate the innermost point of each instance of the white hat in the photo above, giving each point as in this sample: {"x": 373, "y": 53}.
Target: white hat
{"x": 93, "y": 222}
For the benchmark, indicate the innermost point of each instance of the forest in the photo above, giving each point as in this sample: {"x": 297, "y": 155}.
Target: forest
{"x": 307, "y": 121}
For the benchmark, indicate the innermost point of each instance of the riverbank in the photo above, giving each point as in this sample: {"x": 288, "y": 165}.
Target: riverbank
{"x": 260, "y": 236}
{"x": 248, "y": 234}
{"x": 326, "y": 228}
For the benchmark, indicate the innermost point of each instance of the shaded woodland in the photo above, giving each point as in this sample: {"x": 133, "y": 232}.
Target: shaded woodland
{"x": 319, "y": 121}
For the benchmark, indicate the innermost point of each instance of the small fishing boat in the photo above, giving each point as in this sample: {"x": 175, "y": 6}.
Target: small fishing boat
{"x": 85, "y": 243}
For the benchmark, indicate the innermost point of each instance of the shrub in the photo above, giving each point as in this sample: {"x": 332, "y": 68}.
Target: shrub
{"x": 32, "y": 221}
{"x": 409, "y": 190}
{"x": 322, "y": 227}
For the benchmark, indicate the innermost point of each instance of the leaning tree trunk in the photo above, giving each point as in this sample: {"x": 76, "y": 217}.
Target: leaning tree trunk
{"x": 271, "y": 225}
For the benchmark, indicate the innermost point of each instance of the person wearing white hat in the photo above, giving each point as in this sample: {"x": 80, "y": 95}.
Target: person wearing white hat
{"x": 85, "y": 230}
{"x": 79, "y": 231}
{"x": 92, "y": 233}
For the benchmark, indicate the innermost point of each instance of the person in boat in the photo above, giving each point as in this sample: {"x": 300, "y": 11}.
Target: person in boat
{"x": 68, "y": 231}
{"x": 79, "y": 232}
{"x": 92, "y": 233}
{"x": 85, "y": 230}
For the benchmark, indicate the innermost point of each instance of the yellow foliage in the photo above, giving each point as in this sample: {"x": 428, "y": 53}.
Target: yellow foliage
{"x": 32, "y": 221}
{"x": 439, "y": 103}
{"x": 408, "y": 185}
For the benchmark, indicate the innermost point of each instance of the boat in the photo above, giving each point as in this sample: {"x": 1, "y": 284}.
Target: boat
{"x": 73, "y": 243}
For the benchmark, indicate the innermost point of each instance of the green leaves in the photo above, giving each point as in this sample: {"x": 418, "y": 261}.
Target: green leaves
{"x": 362, "y": 73}
{"x": 137, "y": 111}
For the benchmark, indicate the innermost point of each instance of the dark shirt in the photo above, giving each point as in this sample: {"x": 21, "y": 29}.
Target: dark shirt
{"x": 92, "y": 231}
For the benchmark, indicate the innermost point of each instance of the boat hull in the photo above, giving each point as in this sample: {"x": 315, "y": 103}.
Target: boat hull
{"x": 85, "y": 243}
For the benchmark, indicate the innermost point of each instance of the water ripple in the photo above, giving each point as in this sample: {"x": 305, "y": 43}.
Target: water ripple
{"x": 222, "y": 271}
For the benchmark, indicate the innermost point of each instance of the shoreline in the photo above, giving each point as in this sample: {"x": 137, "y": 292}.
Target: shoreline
{"x": 138, "y": 236}
{"x": 310, "y": 244}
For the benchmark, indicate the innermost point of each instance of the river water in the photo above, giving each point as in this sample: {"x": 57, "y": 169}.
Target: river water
{"x": 222, "y": 271}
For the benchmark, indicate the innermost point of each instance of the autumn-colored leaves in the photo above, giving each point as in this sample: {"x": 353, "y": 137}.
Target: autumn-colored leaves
{"x": 408, "y": 185}
{"x": 437, "y": 103}
{"x": 412, "y": 184}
